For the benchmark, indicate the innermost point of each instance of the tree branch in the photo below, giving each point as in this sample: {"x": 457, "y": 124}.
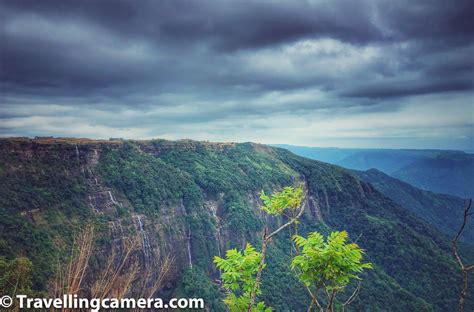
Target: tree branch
{"x": 259, "y": 271}
{"x": 265, "y": 240}
{"x": 464, "y": 269}
{"x": 352, "y": 297}
{"x": 331, "y": 301}
{"x": 286, "y": 224}
{"x": 314, "y": 299}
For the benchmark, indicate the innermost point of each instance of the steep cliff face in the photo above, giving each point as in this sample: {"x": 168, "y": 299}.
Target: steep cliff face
{"x": 190, "y": 200}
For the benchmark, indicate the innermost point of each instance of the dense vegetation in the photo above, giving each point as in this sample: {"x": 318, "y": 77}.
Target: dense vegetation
{"x": 445, "y": 212}
{"x": 175, "y": 185}
{"x": 41, "y": 200}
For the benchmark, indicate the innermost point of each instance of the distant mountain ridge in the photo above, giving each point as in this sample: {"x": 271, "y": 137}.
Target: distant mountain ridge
{"x": 440, "y": 171}
{"x": 445, "y": 212}
{"x": 445, "y": 173}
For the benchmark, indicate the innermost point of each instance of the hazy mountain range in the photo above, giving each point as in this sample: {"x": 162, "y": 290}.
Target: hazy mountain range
{"x": 447, "y": 172}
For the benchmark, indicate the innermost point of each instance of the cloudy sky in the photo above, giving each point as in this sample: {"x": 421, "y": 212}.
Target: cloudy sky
{"x": 366, "y": 73}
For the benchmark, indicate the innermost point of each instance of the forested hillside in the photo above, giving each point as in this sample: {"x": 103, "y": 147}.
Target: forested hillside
{"x": 445, "y": 212}
{"x": 190, "y": 201}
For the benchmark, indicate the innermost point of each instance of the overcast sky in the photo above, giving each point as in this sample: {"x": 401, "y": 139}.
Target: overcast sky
{"x": 319, "y": 73}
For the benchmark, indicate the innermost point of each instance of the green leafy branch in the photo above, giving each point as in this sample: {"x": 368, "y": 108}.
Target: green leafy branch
{"x": 239, "y": 279}
{"x": 328, "y": 265}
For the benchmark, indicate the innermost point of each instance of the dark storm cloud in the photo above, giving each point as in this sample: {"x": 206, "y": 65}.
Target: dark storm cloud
{"x": 215, "y": 59}
{"x": 79, "y": 56}
{"x": 229, "y": 24}
{"x": 396, "y": 89}
{"x": 438, "y": 20}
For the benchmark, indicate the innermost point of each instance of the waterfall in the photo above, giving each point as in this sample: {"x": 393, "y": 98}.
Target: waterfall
{"x": 218, "y": 228}
{"x": 77, "y": 153}
{"x": 189, "y": 250}
{"x": 145, "y": 240}
{"x": 112, "y": 198}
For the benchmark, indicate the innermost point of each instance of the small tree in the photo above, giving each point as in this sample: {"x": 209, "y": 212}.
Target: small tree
{"x": 242, "y": 272}
{"x": 239, "y": 278}
{"x": 289, "y": 199}
{"x": 328, "y": 265}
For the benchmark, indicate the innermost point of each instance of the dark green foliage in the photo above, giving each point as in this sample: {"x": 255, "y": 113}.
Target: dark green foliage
{"x": 45, "y": 179}
{"x": 240, "y": 217}
{"x": 399, "y": 243}
{"x": 238, "y": 168}
{"x": 280, "y": 283}
{"x": 196, "y": 284}
{"x": 42, "y": 198}
{"x": 17, "y": 237}
{"x": 148, "y": 182}
{"x": 15, "y": 276}
{"x": 445, "y": 212}
{"x": 202, "y": 236}
{"x": 385, "y": 294}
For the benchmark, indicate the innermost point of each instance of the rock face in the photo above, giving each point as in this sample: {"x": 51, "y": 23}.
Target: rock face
{"x": 189, "y": 201}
